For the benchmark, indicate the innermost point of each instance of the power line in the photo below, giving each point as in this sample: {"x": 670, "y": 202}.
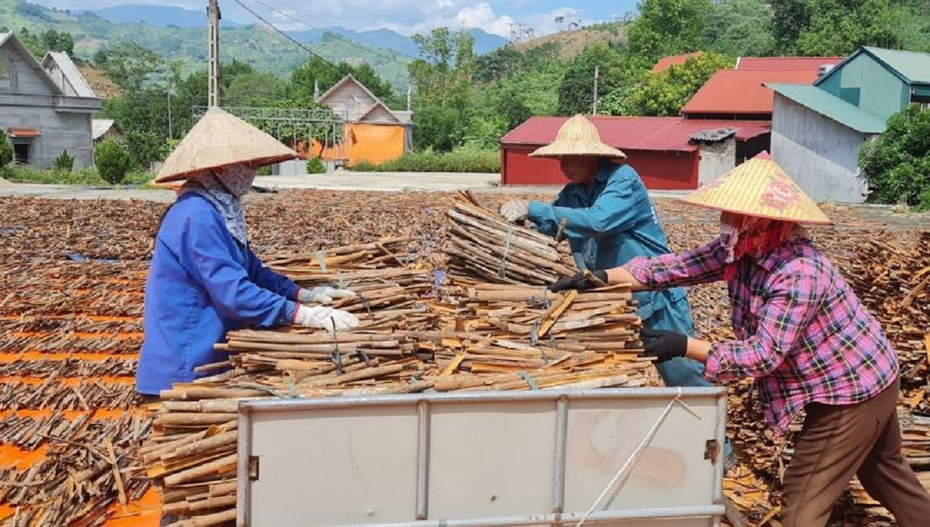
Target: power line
{"x": 285, "y": 35}
{"x": 347, "y": 40}
{"x": 335, "y": 35}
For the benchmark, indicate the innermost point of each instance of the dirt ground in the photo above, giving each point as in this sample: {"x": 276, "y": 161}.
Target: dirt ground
{"x": 71, "y": 288}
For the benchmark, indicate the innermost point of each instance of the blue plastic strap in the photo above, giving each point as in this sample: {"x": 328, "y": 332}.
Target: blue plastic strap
{"x": 529, "y": 380}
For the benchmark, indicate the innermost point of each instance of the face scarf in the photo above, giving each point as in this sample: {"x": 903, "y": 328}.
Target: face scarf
{"x": 754, "y": 237}
{"x": 224, "y": 188}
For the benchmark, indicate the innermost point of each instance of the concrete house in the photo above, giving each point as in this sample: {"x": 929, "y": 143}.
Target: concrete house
{"x": 818, "y": 130}
{"x": 45, "y": 108}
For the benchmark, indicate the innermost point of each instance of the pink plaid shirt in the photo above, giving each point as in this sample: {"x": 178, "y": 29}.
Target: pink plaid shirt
{"x": 803, "y": 334}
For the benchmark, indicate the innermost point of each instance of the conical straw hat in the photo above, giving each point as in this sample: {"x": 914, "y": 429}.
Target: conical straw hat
{"x": 578, "y": 137}
{"x": 220, "y": 139}
{"x": 760, "y": 188}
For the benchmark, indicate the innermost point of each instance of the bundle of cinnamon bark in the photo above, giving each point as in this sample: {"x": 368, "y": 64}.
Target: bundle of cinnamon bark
{"x": 483, "y": 245}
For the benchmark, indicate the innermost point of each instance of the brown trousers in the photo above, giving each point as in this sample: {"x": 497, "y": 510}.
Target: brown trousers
{"x": 838, "y": 442}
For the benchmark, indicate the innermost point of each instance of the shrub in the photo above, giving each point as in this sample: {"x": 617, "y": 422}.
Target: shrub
{"x": 463, "y": 159}
{"x": 86, "y": 176}
{"x": 6, "y": 152}
{"x": 113, "y": 161}
{"x": 315, "y": 165}
{"x": 63, "y": 162}
{"x": 897, "y": 165}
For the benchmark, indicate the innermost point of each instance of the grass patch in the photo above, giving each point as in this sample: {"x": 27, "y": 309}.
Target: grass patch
{"x": 84, "y": 177}
{"x": 459, "y": 160}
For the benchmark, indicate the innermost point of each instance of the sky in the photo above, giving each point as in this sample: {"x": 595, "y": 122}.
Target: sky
{"x": 404, "y": 16}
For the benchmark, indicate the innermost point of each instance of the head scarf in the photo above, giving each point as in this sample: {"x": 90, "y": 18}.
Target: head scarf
{"x": 224, "y": 188}
{"x": 754, "y": 237}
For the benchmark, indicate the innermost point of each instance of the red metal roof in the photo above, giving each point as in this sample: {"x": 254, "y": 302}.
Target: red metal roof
{"x": 664, "y": 134}
{"x": 23, "y": 132}
{"x": 731, "y": 92}
{"x": 785, "y": 63}
{"x": 665, "y": 62}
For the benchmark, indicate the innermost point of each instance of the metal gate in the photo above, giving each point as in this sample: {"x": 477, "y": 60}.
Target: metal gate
{"x": 293, "y": 125}
{"x": 620, "y": 456}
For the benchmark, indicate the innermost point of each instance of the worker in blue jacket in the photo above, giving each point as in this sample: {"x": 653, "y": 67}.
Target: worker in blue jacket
{"x": 609, "y": 219}
{"x": 204, "y": 279}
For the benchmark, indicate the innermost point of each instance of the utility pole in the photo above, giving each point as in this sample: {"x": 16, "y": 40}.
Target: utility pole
{"x": 213, "y": 89}
{"x": 409, "y": 97}
{"x": 597, "y": 73}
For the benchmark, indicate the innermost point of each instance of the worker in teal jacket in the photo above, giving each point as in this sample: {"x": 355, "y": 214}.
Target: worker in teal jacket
{"x": 609, "y": 220}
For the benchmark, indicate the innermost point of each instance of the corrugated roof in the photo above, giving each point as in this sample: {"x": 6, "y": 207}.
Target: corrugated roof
{"x": 913, "y": 65}
{"x": 70, "y": 73}
{"x": 785, "y": 63}
{"x": 831, "y": 107}
{"x": 730, "y": 92}
{"x": 664, "y": 63}
{"x": 634, "y": 133}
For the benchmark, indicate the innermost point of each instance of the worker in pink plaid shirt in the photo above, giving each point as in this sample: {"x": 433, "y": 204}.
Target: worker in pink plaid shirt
{"x": 802, "y": 334}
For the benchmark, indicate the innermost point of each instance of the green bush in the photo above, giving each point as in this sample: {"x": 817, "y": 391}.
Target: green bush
{"x": 462, "y": 159}
{"x": 6, "y": 152}
{"x": 86, "y": 176}
{"x": 315, "y": 166}
{"x": 896, "y": 166}
{"x": 113, "y": 161}
{"x": 64, "y": 162}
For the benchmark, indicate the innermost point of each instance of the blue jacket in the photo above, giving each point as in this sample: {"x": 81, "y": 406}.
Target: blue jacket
{"x": 202, "y": 283}
{"x": 610, "y": 222}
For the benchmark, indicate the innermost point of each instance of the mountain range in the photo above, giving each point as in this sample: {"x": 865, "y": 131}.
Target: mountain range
{"x": 178, "y": 34}
{"x": 169, "y": 16}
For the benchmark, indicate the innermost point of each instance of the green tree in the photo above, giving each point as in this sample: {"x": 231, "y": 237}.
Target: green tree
{"x": 130, "y": 66}
{"x": 511, "y": 108}
{"x": 837, "y": 27}
{"x": 576, "y": 92}
{"x": 897, "y": 165}
{"x": 437, "y": 127}
{"x": 740, "y": 28}
{"x": 253, "y": 89}
{"x": 790, "y": 18}
{"x": 113, "y": 161}
{"x": 6, "y": 153}
{"x": 443, "y": 74}
{"x": 666, "y": 92}
{"x": 64, "y": 162}
{"x": 667, "y": 27}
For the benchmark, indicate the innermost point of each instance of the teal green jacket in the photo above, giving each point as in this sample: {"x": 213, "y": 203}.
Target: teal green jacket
{"x": 610, "y": 222}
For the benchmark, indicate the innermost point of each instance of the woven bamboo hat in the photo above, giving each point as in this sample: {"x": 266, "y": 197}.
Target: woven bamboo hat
{"x": 578, "y": 137}
{"x": 220, "y": 139}
{"x": 760, "y": 188}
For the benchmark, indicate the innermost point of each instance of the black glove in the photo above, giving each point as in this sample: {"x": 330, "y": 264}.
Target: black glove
{"x": 665, "y": 345}
{"x": 578, "y": 281}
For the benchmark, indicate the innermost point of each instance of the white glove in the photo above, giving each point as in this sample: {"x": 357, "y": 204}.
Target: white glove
{"x": 322, "y": 295}
{"x": 515, "y": 210}
{"x": 320, "y": 317}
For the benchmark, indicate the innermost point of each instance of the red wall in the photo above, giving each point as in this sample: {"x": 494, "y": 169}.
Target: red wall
{"x": 659, "y": 170}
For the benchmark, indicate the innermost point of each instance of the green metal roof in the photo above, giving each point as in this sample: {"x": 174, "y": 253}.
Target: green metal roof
{"x": 912, "y": 65}
{"x": 832, "y": 107}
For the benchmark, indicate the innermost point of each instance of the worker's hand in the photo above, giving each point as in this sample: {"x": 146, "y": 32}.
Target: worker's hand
{"x": 320, "y": 317}
{"x": 665, "y": 345}
{"x": 578, "y": 281}
{"x": 515, "y": 210}
{"x": 322, "y": 295}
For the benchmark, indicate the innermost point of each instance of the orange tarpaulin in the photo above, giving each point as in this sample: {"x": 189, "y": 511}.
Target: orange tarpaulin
{"x": 375, "y": 143}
